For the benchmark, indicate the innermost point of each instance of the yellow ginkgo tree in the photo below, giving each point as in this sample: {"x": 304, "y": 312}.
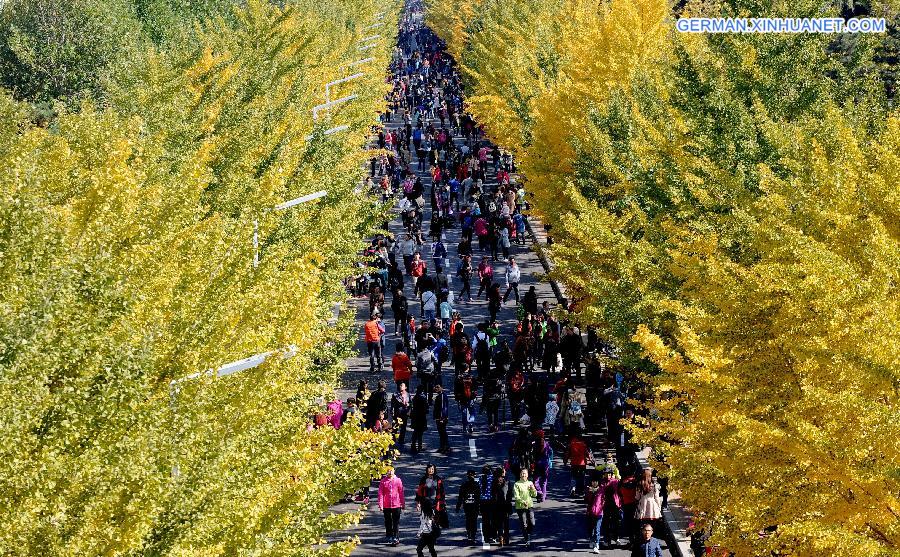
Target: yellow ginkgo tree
{"x": 725, "y": 210}
{"x": 126, "y": 263}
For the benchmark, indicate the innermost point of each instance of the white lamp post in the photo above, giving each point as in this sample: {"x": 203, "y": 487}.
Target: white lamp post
{"x": 281, "y": 207}
{"x": 329, "y": 104}
{"x": 339, "y": 81}
{"x": 330, "y": 131}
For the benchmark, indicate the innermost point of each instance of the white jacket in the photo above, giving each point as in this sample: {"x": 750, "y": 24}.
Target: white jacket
{"x": 513, "y": 274}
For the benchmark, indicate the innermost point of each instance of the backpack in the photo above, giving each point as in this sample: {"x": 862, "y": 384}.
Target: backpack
{"x": 575, "y": 410}
{"x": 482, "y": 348}
{"x": 516, "y": 383}
{"x": 545, "y": 462}
{"x": 467, "y": 388}
{"x": 424, "y": 364}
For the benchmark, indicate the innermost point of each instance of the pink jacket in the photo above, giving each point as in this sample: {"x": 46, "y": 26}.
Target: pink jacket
{"x": 337, "y": 410}
{"x": 390, "y": 493}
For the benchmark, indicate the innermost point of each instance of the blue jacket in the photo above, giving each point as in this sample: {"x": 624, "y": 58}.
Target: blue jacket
{"x": 647, "y": 549}
{"x": 441, "y": 406}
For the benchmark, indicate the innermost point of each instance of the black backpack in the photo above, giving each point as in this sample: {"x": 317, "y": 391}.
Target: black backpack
{"x": 482, "y": 348}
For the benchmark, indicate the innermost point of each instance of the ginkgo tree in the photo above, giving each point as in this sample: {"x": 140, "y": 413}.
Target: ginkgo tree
{"x": 125, "y": 241}
{"x": 725, "y": 209}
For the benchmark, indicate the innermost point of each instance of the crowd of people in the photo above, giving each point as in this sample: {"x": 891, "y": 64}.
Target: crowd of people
{"x": 556, "y": 387}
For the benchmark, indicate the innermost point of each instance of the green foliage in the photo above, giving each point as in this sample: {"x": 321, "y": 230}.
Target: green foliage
{"x": 63, "y": 49}
{"x": 125, "y": 263}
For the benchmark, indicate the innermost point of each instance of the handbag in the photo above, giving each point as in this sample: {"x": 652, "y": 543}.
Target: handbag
{"x": 443, "y": 520}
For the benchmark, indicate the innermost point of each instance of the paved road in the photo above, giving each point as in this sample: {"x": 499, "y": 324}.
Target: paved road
{"x": 560, "y": 525}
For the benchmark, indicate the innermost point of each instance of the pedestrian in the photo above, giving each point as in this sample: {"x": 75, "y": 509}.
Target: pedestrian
{"x": 373, "y": 332}
{"x": 401, "y": 365}
{"x": 647, "y": 545}
{"x": 400, "y": 413}
{"x": 579, "y": 455}
{"x": 431, "y": 489}
{"x": 513, "y": 276}
{"x": 501, "y": 506}
{"x": 464, "y": 272}
{"x": 418, "y": 418}
{"x": 468, "y": 500}
{"x": 485, "y": 276}
{"x": 628, "y": 496}
{"x": 391, "y": 503}
{"x": 429, "y": 305}
{"x": 429, "y": 529}
{"x": 494, "y": 300}
{"x": 378, "y": 402}
{"x": 524, "y": 493}
{"x": 416, "y": 270}
{"x": 543, "y": 462}
{"x": 593, "y": 498}
{"x": 441, "y": 416}
{"x": 400, "y": 309}
{"x": 649, "y": 503}
{"x": 612, "y": 505}
{"x": 530, "y": 301}
{"x": 425, "y": 366}
{"x": 486, "y": 503}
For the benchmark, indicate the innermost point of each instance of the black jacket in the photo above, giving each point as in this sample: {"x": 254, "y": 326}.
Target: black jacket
{"x": 469, "y": 493}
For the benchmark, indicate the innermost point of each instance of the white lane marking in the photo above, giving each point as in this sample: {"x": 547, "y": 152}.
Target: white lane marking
{"x": 472, "y": 450}
{"x": 484, "y": 544}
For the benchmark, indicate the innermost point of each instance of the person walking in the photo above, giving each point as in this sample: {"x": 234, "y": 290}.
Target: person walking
{"x": 579, "y": 455}
{"x": 543, "y": 462}
{"x": 431, "y": 489}
{"x": 649, "y": 503}
{"x": 418, "y": 418}
{"x": 441, "y": 417}
{"x": 485, "y": 276}
{"x": 425, "y": 362}
{"x": 612, "y": 505}
{"x": 373, "y": 332}
{"x": 429, "y": 530}
{"x": 468, "y": 500}
{"x": 417, "y": 269}
{"x": 429, "y": 305}
{"x": 494, "y": 300}
{"x": 524, "y": 493}
{"x": 593, "y": 498}
{"x": 501, "y": 506}
{"x": 391, "y": 503}
{"x": 486, "y": 503}
{"x": 647, "y": 545}
{"x": 513, "y": 276}
{"x": 400, "y": 309}
{"x": 400, "y": 403}
{"x": 401, "y": 365}
{"x": 378, "y": 402}
{"x": 464, "y": 272}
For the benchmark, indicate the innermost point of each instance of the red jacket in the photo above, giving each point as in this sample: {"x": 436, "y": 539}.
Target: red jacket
{"x": 402, "y": 367}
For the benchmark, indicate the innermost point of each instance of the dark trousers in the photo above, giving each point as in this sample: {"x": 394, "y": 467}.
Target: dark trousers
{"x": 471, "y": 511}
{"x": 401, "y": 432}
{"x": 400, "y": 322}
{"x": 487, "y": 520}
{"x": 416, "y": 444}
{"x": 426, "y": 540}
{"x": 513, "y": 287}
{"x": 442, "y": 433}
{"x": 500, "y": 524}
{"x": 374, "y": 349}
{"x": 578, "y": 477}
{"x": 392, "y": 523}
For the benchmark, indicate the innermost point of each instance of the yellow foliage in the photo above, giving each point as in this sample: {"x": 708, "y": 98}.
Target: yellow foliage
{"x": 125, "y": 262}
